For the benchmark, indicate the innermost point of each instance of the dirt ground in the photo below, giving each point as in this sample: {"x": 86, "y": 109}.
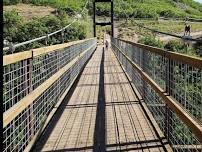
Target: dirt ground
{"x": 126, "y": 34}
{"x": 167, "y": 38}
{"x": 30, "y": 11}
{"x": 129, "y": 34}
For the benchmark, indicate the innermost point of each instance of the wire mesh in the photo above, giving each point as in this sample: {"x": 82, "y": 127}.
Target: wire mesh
{"x": 15, "y": 83}
{"x": 180, "y": 80}
{"x": 20, "y": 131}
{"x": 22, "y": 77}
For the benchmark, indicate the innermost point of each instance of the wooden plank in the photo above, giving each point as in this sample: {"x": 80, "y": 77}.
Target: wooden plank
{"x": 48, "y": 49}
{"x": 60, "y": 135}
{"x": 16, "y": 57}
{"x": 9, "y": 115}
{"x": 79, "y": 128}
{"x": 129, "y": 132}
{"x": 187, "y": 147}
{"x": 36, "y": 136}
{"x": 83, "y": 121}
{"x": 111, "y": 128}
{"x": 186, "y": 59}
{"x": 131, "y": 94}
{"x": 13, "y": 58}
{"x": 50, "y": 144}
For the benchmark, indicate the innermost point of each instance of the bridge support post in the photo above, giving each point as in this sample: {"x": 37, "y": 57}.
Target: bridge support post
{"x": 29, "y": 86}
{"x": 46, "y": 40}
{"x": 169, "y": 85}
{"x": 12, "y": 48}
{"x": 143, "y": 59}
{"x": 62, "y": 35}
{"x": 103, "y": 23}
{"x": 112, "y": 18}
{"x": 94, "y": 13}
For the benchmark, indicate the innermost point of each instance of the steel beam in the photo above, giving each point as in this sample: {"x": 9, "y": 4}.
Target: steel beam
{"x": 103, "y": 23}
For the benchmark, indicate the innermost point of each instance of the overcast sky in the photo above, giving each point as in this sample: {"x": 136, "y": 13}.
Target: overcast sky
{"x": 199, "y": 1}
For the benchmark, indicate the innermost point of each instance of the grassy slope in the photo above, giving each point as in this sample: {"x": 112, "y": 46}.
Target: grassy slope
{"x": 170, "y": 26}
{"x": 29, "y": 11}
{"x": 155, "y": 8}
{"x": 21, "y": 25}
{"x": 134, "y": 8}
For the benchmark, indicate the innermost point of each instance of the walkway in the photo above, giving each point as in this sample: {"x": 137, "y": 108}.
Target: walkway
{"x": 102, "y": 113}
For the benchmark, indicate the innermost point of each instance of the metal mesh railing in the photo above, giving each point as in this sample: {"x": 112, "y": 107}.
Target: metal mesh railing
{"x": 46, "y": 65}
{"x": 23, "y": 76}
{"x": 177, "y": 78}
{"x": 27, "y": 124}
{"x": 15, "y": 83}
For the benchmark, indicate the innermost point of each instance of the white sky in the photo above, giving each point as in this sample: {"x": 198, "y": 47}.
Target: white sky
{"x": 200, "y": 1}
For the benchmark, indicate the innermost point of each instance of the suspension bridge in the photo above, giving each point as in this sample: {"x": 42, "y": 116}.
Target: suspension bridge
{"x": 82, "y": 96}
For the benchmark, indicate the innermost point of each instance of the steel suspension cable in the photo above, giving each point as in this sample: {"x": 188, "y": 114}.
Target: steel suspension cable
{"x": 48, "y": 35}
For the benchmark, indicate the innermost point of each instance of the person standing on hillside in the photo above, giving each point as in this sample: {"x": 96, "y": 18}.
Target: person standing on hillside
{"x": 187, "y": 29}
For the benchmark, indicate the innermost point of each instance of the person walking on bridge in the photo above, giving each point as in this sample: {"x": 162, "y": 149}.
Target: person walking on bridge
{"x": 106, "y": 45}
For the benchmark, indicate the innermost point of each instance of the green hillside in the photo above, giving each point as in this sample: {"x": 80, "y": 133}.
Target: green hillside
{"x": 129, "y": 8}
{"x": 19, "y": 29}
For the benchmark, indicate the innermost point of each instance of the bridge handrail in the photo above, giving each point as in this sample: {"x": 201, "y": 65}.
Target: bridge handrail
{"x": 16, "y": 57}
{"x": 15, "y": 110}
{"x": 187, "y": 59}
{"x": 45, "y": 37}
{"x": 28, "y": 114}
{"x": 39, "y": 38}
{"x": 121, "y": 46}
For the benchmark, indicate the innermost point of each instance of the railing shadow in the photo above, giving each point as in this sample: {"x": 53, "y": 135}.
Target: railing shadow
{"x": 44, "y": 135}
{"x": 99, "y": 144}
{"x": 135, "y": 145}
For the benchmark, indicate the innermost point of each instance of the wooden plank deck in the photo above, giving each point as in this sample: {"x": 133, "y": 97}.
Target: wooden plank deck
{"x": 102, "y": 114}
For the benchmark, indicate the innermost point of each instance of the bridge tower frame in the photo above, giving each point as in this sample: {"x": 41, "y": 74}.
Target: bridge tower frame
{"x": 103, "y": 23}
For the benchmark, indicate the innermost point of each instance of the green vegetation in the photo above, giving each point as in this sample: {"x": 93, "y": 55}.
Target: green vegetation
{"x": 186, "y": 87}
{"x": 74, "y": 5}
{"x": 17, "y": 30}
{"x": 180, "y": 47}
{"x": 128, "y": 8}
{"x": 100, "y": 32}
{"x": 155, "y": 8}
{"x": 198, "y": 48}
{"x": 167, "y": 26}
{"x": 152, "y": 41}
{"x": 164, "y": 26}
{"x": 173, "y": 45}
{"x": 12, "y": 22}
{"x": 70, "y": 7}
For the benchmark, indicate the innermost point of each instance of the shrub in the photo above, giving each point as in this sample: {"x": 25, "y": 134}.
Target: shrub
{"x": 131, "y": 8}
{"x": 16, "y": 30}
{"x": 145, "y": 12}
{"x": 11, "y": 23}
{"x": 53, "y": 23}
{"x": 11, "y": 2}
{"x": 198, "y": 48}
{"x": 150, "y": 40}
{"x": 76, "y": 32}
{"x": 31, "y": 30}
{"x": 180, "y": 47}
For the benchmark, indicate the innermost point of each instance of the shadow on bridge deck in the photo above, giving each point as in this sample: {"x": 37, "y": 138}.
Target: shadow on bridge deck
{"x": 101, "y": 113}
